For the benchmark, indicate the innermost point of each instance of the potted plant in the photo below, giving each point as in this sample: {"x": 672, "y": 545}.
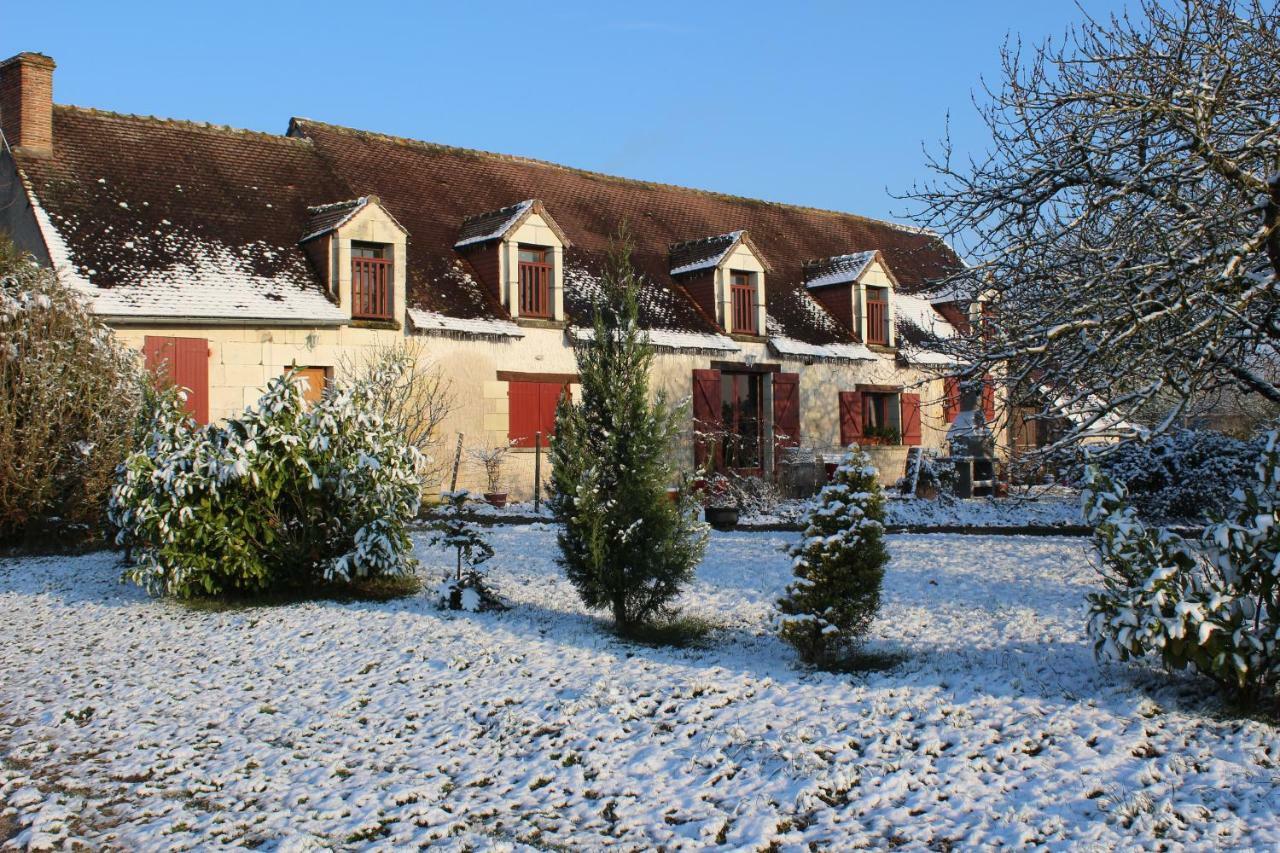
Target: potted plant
{"x": 492, "y": 459}
{"x": 720, "y": 504}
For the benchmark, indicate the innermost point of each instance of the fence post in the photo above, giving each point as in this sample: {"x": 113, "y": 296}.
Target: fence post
{"x": 457, "y": 460}
{"x": 537, "y": 471}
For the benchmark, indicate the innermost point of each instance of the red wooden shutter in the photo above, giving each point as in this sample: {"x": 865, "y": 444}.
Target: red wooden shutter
{"x": 522, "y": 412}
{"x": 850, "y": 417}
{"x": 988, "y": 400}
{"x": 183, "y": 362}
{"x": 910, "y": 419}
{"x": 548, "y": 398}
{"x": 950, "y": 398}
{"x": 706, "y": 413}
{"x": 786, "y": 409}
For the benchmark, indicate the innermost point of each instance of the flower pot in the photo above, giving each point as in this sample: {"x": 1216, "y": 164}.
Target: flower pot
{"x": 722, "y": 517}
{"x": 673, "y": 494}
{"x": 498, "y": 499}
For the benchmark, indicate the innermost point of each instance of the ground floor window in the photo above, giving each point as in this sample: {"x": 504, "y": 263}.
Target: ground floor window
{"x": 877, "y": 419}
{"x": 742, "y": 405}
{"x": 182, "y": 362}
{"x": 314, "y": 381}
{"x": 532, "y": 411}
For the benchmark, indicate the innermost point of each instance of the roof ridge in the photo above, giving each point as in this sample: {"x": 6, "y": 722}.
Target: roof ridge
{"x": 517, "y": 158}
{"x": 182, "y": 122}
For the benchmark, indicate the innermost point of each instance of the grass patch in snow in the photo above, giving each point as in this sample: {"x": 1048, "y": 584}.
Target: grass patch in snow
{"x": 362, "y": 589}
{"x": 869, "y": 660}
{"x": 681, "y": 632}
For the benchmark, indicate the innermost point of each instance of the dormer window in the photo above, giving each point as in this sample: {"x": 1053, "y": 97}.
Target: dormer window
{"x": 371, "y": 281}
{"x": 518, "y": 253}
{"x": 743, "y": 290}
{"x": 878, "y": 316}
{"x": 856, "y": 289}
{"x": 536, "y": 267}
{"x": 358, "y": 252}
{"x": 725, "y": 275}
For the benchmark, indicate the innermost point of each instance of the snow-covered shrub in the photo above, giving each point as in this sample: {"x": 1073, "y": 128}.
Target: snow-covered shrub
{"x": 284, "y": 496}
{"x": 69, "y": 397}
{"x": 838, "y": 566}
{"x": 465, "y": 588}
{"x": 935, "y": 473}
{"x": 1213, "y": 605}
{"x": 625, "y": 544}
{"x": 1183, "y": 475}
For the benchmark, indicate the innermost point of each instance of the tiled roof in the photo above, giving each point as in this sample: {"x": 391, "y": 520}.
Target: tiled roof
{"x": 178, "y": 219}
{"x": 432, "y": 189}
{"x": 171, "y": 218}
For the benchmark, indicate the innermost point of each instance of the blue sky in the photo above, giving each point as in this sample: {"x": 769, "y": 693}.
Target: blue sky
{"x": 825, "y": 104}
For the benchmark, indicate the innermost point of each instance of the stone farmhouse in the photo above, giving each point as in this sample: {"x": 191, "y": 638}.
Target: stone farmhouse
{"x": 228, "y": 256}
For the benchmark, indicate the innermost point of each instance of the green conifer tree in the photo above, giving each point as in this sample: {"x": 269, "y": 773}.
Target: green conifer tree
{"x": 625, "y": 544}
{"x": 838, "y": 566}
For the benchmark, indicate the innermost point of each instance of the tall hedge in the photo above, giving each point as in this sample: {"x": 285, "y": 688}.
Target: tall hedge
{"x": 69, "y": 398}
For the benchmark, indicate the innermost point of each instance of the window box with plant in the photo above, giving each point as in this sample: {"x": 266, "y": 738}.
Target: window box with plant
{"x": 881, "y": 435}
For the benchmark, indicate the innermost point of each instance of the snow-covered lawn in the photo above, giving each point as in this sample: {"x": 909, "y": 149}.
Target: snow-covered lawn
{"x": 139, "y": 724}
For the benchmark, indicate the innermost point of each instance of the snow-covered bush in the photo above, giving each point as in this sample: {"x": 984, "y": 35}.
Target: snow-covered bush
{"x": 465, "y": 588}
{"x": 69, "y": 396}
{"x": 284, "y": 496}
{"x": 1182, "y": 475}
{"x": 1213, "y": 605}
{"x": 625, "y": 544}
{"x": 838, "y": 566}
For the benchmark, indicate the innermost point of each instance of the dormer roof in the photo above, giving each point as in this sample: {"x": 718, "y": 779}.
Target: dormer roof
{"x": 843, "y": 269}
{"x": 497, "y": 224}
{"x": 324, "y": 218}
{"x": 709, "y": 252}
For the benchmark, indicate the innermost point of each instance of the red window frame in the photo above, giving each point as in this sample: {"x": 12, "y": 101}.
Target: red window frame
{"x": 877, "y": 316}
{"x": 742, "y": 300}
{"x": 535, "y": 282}
{"x": 371, "y": 282}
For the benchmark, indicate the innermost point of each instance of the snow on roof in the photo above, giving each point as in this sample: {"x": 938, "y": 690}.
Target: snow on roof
{"x": 673, "y": 339}
{"x": 431, "y": 321}
{"x": 840, "y": 269}
{"x": 492, "y": 224}
{"x": 822, "y": 352}
{"x": 921, "y": 314}
{"x": 704, "y": 253}
{"x": 211, "y": 281}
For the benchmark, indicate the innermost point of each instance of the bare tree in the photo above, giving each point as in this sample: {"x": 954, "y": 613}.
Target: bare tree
{"x": 1124, "y": 224}
{"x": 416, "y": 403}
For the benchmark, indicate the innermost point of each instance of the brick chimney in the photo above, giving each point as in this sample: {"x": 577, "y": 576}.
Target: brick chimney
{"x": 26, "y": 103}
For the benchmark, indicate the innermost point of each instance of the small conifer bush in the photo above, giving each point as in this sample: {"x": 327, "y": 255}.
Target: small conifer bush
{"x": 838, "y": 567}
{"x": 464, "y": 588}
{"x": 624, "y": 543}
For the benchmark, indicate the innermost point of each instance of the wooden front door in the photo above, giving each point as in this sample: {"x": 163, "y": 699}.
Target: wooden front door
{"x": 742, "y": 408}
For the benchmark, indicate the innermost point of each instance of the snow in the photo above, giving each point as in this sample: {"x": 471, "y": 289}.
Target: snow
{"x": 833, "y": 352}
{"x": 354, "y": 206}
{"x": 672, "y": 339}
{"x": 135, "y": 724}
{"x": 430, "y": 321}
